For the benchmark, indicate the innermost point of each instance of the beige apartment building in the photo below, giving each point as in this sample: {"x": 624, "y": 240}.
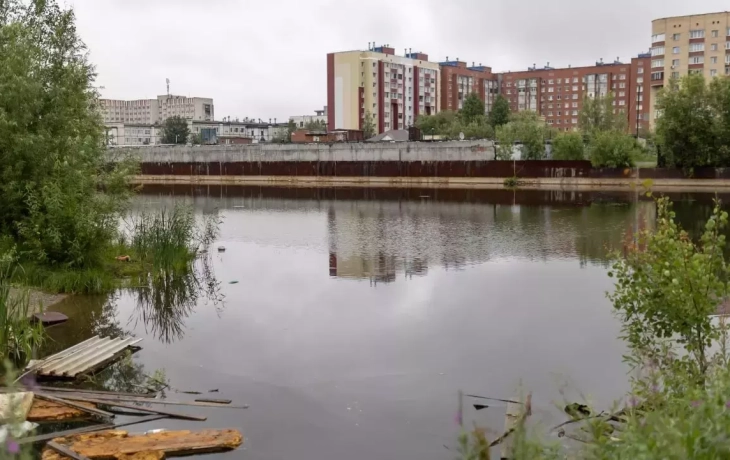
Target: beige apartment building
{"x": 688, "y": 44}
{"x": 394, "y": 89}
{"x": 156, "y": 111}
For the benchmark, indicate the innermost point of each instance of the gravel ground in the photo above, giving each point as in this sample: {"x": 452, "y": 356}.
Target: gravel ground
{"x": 39, "y": 299}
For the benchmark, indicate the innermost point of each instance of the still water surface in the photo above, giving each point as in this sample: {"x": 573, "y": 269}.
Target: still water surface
{"x": 356, "y": 315}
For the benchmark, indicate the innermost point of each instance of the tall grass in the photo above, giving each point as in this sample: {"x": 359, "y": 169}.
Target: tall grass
{"x": 170, "y": 238}
{"x": 19, "y": 336}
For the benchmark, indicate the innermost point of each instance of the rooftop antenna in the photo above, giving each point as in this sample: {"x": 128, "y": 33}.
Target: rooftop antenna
{"x": 168, "y": 86}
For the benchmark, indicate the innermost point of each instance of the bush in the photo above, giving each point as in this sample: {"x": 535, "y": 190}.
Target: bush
{"x": 527, "y": 128}
{"x": 568, "y": 146}
{"x": 51, "y": 170}
{"x": 613, "y": 149}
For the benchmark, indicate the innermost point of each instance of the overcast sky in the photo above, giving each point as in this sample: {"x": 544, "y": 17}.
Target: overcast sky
{"x": 265, "y": 59}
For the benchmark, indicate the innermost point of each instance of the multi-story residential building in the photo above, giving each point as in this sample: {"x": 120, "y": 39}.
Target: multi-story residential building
{"x": 639, "y": 115}
{"x": 688, "y": 44}
{"x": 557, "y": 94}
{"x": 458, "y": 81}
{"x": 394, "y": 89}
{"x": 156, "y": 111}
{"x": 302, "y": 120}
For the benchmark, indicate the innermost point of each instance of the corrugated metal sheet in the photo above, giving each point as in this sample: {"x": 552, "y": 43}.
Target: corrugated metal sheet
{"x": 83, "y": 357}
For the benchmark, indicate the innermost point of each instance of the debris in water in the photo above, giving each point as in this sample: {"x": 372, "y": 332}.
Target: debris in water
{"x": 50, "y": 318}
{"x": 214, "y": 401}
{"x": 221, "y": 249}
{"x": 233, "y": 282}
{"x": 215, "y": 390}
{"x": 191, "y": 392}
{"x": 115, "y": 443}
{"x": 480, "y": 406}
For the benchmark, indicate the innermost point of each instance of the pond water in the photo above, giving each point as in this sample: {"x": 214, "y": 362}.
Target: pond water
{"x": 348, "y": 319}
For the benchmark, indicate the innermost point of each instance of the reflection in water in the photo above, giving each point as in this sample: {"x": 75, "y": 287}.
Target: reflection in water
{"x": 166, "y": 298}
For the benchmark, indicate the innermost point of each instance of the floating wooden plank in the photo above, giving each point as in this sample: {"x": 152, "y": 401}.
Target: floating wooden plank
{"x": 93, "y": 411}
{"x": 48, "y": 411}
{"x": 164, "y": 402}
{"x": 114, "y": 443}
{"x": 66, "y": 451}
{"x": 117, "y": 403}
{"x": 87, "y": 429}
{"x": 50, "y": 318}
{"x": 214, "y": 401}
{"x": 96, "y": 392}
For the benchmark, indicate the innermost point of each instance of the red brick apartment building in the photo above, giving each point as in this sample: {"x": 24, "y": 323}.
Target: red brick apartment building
{"x": 458, "y": 81}
{"x": 557, "y": 94}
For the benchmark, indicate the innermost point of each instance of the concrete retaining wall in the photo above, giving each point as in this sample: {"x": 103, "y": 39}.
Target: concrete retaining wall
{"x": 403, "y": 152}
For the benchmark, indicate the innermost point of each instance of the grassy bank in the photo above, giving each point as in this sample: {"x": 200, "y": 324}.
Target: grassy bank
{"x": 146, "y": 243}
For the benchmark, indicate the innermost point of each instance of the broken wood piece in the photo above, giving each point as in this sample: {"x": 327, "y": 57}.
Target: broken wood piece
{"x": 214, "y": 401}
{"x": 87, "y": 429}
{"x": 117, "y": 403}
{"x": 114, "y": 443}
{"x": 49, "y": 318}
{"x": 93, "y": 411}
{"x": 164, "y": 402}
{"x": 66, "y": 451}
{"x": 95, "y": 392}
{"x": 157, "y": 455}
{"x": 514, "y": 417}
{"x": 48, "y": 411}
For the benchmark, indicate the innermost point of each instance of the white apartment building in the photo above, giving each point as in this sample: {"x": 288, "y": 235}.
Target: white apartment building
{"x": 156, "y": 111}
{"x": 302, "y": 120}
{"x": 258, "y": 132}
{"x": 134, "y": 134}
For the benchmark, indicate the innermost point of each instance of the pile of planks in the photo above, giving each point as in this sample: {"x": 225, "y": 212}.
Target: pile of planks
{"x": 68, "y": 404}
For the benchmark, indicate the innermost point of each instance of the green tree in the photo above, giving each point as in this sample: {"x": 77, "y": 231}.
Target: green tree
{"x": 500, "y": 114}
{"x": 368, "y": 125}
{"x": 568, "y": 146}
{"x": 529, "y": 130}
{"x": 600, "y": 114}
{"x": 175, "y": 130}
{"x": 667, "y": 286}
{"x": 478, "y": 128}
{"x": 692, "y": 130}
{"x": 315, "y": 125}
{"x": 52, "y": 159}
{"x": 439, "y": 124}
{"x": 473, "y": 108}
{"x": 613, "y": 149}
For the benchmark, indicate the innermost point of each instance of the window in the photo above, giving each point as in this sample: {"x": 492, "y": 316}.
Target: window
{"x": 574, "y": 113}
{"x": 574, "y": 105}
{"x": 657, "y": 51}
{"x": 676, "y": 37}
{"x": 700, "y": 33}
{"x": 675, "y": 62}
{"x": 713, "y": 60}
{"x": 621, "y": 93}
{"x": 575, "y": 79}
{"x": 713, "y": 72}
{"x": 713, "y": 47}
{"x": 550, "y": 90}
{"x": 560, "y": 81}
{"x": 622, "y": 77}
{"x": 641, "y": 70}
{"x": 675, "y": 74}
{"x": 575, "y": 96}
{"x": 575, "y": 87}
{"x": 550, "y": 82}
{"x": 727, "y": 45}
{"x": 697, "y": 60}
{"x": 574, "y": 120}
{"x": 621, "y": 102}
{"x": 715, "y": 34}
{"x": 695, "y": 47}
{"x": 640, "y": 80}
{"x": 657, "y": 63}
{"x": 675, "y": 50}
{"x": 657, "y": 38}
